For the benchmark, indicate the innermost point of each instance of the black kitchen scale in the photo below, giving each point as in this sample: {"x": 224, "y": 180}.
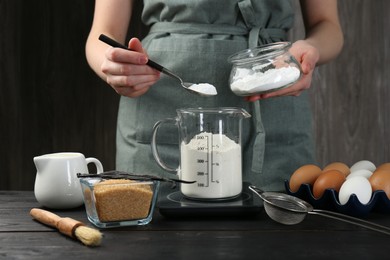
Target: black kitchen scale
{"x": 172, "y": 203}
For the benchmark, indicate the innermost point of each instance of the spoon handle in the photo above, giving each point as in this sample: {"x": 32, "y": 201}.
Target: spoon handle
{"x": 116, "y": 44}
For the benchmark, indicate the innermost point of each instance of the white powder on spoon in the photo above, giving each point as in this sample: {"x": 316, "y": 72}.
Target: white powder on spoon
{"x": 204, "y": 88}
{"x": 247, "y": 82}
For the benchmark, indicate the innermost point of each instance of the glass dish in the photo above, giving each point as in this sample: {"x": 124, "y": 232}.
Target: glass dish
{"x": 329, "y": 201}
{"x": 263, "y": 69}
{"x": 119, "y": 202}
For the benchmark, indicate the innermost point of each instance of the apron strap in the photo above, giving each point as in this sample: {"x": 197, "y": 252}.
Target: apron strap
{"x": 197, "y": 28}
{"x": 258, "y": 35}
{"x": 259, "y": 141}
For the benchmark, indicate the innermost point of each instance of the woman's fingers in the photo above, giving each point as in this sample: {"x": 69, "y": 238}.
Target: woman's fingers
{"x": 126, "y": 56}
{"x": 126, "y": 69}
{"x": 131, "y": 80}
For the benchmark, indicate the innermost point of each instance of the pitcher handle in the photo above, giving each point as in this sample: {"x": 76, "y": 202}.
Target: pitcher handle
{"x": 98, "y": 164}
{"x": 155, "y": 153}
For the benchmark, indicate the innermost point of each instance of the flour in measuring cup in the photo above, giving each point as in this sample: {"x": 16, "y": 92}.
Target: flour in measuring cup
{"x": 246, "y": 81}
{"x": 214, "y": 162}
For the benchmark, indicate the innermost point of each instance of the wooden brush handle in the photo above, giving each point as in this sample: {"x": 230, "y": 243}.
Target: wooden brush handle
{"x": 66, "y": 226}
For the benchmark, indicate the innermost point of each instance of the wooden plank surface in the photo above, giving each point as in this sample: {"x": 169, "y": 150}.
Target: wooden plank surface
{"x": 170, "y": 238}
{"x": 196, "y": 245}
{"x": 16, "y": 205}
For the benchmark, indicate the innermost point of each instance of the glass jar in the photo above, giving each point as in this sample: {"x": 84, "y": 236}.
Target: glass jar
{"x": 111, "y": 203}
{"x": 263, "y": 69}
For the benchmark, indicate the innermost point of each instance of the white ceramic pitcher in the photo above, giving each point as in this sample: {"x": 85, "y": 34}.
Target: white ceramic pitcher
{"x": 56, "y": 182}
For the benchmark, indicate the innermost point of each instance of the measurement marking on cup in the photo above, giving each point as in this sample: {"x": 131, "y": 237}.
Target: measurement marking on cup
{"x": 208, "y": 159}
{"x": 211, "y": 152}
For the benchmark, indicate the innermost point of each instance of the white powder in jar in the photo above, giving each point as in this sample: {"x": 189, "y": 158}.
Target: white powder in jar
{"x": 204, "y": 88}
{"x": 246, "y": 81}
{"x": 214, "y": 162}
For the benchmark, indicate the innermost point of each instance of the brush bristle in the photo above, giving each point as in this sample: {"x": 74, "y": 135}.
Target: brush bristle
{"x": 88, "y": 236}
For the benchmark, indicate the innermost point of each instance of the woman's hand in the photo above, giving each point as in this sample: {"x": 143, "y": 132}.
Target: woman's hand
{"x": 307, "y": 56}
{"x": 126, "y": 71}
{"x": 324, "y": 41}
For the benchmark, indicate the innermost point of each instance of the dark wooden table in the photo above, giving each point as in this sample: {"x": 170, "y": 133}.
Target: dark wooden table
{"x": 255, "y": 237}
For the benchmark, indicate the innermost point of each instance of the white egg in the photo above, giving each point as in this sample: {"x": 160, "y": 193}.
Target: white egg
{"x": 358, "y": 185}
{"x": 362, "y": 172}
{"x": 364, "y": 164}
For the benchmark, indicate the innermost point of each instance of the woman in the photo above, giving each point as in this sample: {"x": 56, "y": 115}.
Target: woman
{"x": 194, "y": 39}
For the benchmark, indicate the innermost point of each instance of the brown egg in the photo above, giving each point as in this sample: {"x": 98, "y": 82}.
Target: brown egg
{"x": 342, "y": 167}
{"x": 384, "y": 166}
{"x": 306, "y": 174}
{"x": 380, "y": 180}
{"x": 331, "y": 179}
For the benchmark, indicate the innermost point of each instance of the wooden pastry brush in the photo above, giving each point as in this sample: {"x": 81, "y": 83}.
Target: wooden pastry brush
{"x": 68, "y": 226}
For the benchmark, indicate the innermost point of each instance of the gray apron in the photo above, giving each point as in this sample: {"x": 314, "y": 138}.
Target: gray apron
{"x": 194, "y": 39}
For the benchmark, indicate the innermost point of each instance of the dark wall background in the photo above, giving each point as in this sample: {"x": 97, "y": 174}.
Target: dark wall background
{"x": 51, "y": 101}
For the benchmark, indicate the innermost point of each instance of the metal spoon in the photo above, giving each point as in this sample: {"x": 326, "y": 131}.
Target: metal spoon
{"x": 157, "y": 66}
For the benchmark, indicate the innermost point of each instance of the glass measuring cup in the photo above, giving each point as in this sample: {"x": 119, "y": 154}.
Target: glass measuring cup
{"x": 210, "y": 151}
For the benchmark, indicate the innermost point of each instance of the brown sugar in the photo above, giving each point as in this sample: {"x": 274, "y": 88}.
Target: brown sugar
{"x": 119, "y": 200}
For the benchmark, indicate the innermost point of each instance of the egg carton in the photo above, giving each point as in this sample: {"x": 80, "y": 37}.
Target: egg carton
{"x": 379, "y": 201}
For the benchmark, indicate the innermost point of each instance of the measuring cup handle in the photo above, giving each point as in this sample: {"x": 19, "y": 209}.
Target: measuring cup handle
{"x": 154, "y": 144}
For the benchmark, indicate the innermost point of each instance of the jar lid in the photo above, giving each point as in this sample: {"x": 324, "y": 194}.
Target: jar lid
{"x": 266, "y": 51}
